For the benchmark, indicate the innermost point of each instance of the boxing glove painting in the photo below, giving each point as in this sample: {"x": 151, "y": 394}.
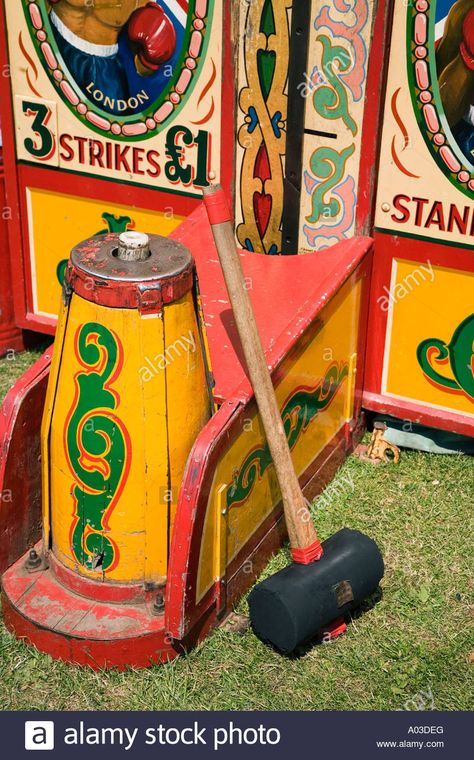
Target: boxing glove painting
{"x": 115, "y": 50}
{"x": 151, "y": 30}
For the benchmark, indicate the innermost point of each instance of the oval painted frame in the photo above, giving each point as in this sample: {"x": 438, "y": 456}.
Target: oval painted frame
{"x": 150, "y": 120}
{"x": 424, "y": 88}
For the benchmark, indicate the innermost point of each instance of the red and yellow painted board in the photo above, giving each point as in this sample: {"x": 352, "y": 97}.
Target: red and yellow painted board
{"x": 421, "y": 332}
{"x": 98, "y": 138}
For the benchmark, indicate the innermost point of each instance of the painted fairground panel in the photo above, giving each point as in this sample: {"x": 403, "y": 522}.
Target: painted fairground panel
{"x": 429, "y": 353}
{"x": 332, "y": 83}
{"x": 426, "y": 191}
{"x": 426, "y": 185}
{"x": 334, "y": 89}
{"x": 264, "y": 41}
{"x": 315, "y": 390}
{"x": 128, "y": 91}
{"x": 110, "y": 89}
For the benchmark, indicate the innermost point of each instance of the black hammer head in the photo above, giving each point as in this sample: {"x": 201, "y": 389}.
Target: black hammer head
{"x": 297, "y": 603}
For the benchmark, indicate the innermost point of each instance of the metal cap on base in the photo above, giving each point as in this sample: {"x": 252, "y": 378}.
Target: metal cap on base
{"x": 132, "y": 270}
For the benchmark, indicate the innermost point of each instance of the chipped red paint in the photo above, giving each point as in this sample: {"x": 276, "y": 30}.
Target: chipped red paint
{"x": 287, "y": 294}
{"x": 20, "y": 466}
{"x": 149, "y": 296}
{"x": 115, "y": 593}
{"x": 38, "y": 608}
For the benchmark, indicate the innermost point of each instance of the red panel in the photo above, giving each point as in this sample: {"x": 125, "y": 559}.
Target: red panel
{"x": 373, "y": 114}
{"x": 11, "y": 337}
{"x": 286, "y": 292}
{"x": 20, "y": 468}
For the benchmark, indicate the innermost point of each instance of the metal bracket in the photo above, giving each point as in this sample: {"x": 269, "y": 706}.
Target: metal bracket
{"x": 66, "y": 291}
{"x": 378, "y": 448}
{"x": 150, "y": 301}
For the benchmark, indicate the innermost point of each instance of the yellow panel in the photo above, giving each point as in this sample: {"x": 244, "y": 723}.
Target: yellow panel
{"x": 46, "y": 421}
{"x": 76, "y": 219}
{"x": 427, "y": 302}
{"x": 314, "y": 396}
{"x": 108, "y": 447}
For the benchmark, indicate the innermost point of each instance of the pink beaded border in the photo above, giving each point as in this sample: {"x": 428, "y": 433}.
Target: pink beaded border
{"x": 130, "y": 128}
{"x": 427, "y": 106}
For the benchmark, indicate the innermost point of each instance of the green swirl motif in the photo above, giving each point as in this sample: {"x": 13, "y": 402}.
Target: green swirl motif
{"x": 327, "y": 164}
{"x": 98, "y": 446}
{"x": 330, "y": 100}
{"x": 460, "y": 354}
{"x": 301, "y": 408}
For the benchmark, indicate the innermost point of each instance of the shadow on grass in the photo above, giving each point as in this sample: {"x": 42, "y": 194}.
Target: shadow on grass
{"x": 320, "y": 638}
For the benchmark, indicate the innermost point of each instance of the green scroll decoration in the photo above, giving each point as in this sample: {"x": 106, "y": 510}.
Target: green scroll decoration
{"x": 459, "y": 352}
{"x": 300, "y": 410}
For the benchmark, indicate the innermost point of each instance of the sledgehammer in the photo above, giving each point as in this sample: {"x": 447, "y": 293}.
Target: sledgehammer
{"x": 325, "y": 580}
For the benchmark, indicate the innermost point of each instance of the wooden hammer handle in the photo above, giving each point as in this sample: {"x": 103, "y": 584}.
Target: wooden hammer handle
{"x": 300, "y": 527}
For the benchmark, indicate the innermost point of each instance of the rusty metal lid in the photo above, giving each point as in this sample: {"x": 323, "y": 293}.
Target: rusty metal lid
{"x": 130, "y": 270}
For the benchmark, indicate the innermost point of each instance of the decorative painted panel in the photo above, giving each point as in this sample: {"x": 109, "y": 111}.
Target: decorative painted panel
{"x": 427, "y": 182}
{"x": 133, "y": 97}
{"x": 108, "y": 109}
{"x": 334, "y": 89}
{"x": 314, "y": 392}
{"x": 264, "y": 31}
{"x": 421, "y": 338}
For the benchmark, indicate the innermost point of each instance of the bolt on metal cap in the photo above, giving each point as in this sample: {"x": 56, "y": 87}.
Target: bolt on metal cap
{"x": 133, "y": 246}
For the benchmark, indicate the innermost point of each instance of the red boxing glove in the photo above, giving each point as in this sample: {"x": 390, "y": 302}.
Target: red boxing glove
{"x": 466, "y": 48}
{"x": 153, "y": 31}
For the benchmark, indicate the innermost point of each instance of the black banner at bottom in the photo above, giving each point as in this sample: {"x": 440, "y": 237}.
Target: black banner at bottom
{"x": 233, "y": 735}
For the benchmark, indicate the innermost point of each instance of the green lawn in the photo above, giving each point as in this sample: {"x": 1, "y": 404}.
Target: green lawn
{"x": 412, "y": 647}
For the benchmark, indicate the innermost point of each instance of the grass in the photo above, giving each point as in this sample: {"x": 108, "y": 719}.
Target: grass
{"x": 413, "y": 646}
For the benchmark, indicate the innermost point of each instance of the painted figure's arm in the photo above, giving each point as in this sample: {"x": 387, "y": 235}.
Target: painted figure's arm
{"x": 448, "y": 47}
{"x": 456, "y": 81}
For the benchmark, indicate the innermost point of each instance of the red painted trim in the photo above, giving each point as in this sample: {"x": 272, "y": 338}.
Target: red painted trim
{"x": 181, "y": 613}
{"x": 373, "y": 115}
{"x": 422, "y": 415}
{"x": 11, "y": 179}
{"x": 108, "y": 191}
{"x": 11, "y": 338}
{"x": 20, "y": 467}
{"x": 308, "y": 554}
